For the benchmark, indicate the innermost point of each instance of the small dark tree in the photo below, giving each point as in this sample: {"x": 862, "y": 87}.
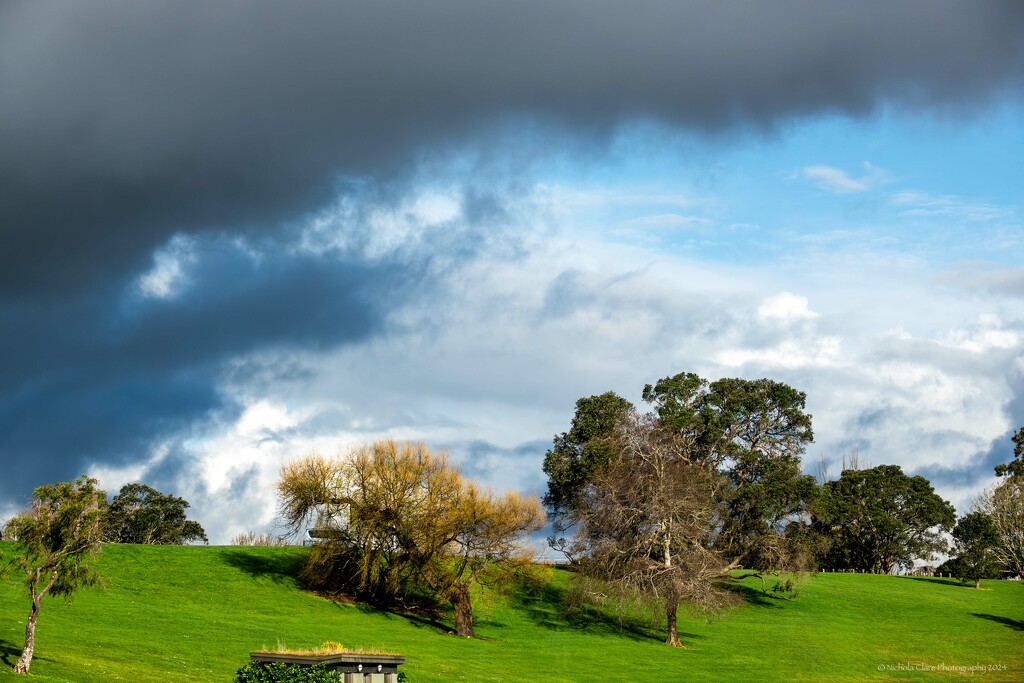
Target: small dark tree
{"x": 54, "y": 539}
{"x": 976, "y": 538}
{"x": 141, "y": 514}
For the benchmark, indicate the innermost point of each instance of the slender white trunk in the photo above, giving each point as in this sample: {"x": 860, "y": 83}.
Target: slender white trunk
{"x": 25, "y": 661}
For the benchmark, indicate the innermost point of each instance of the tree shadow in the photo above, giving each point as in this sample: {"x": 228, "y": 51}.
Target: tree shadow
{"x": 278, "y": 567}
{"x": 1015, "y": 624}
{"x": 550, "y": 606}
{"x": 948, "y": 581}
{"x": 421, "y": 621}
{"x": 9, "y": 653}
{"x": 754, "y": 596}
{"x": 423, "y": 614}
{"x": 281, "y": 567}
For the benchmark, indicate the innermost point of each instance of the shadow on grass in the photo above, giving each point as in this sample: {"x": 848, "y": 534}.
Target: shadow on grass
{"x": 9, "y": 653}
{"x": 949, "y": 581}
{"x": 418, "y": 620}
{"x": 422, "y": 613}
{"x": 1015, "y": 624}
{"x": 754, "y": 596}
{"x": 549, "y": 607}
{"x": 278, "y": 567}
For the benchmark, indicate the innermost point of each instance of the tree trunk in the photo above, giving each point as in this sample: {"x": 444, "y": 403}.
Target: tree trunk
{"x": 977, "y": 584}
{"x": 463, "y": 613}
{"x": 671, "y": 608}
{"x": 25, "y": 661}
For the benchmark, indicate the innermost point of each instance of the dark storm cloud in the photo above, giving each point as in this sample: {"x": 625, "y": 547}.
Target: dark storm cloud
{"x": 122, "y": 122}
{"x": 92, "y": 379}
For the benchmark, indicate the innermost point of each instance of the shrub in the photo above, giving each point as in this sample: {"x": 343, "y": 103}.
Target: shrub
{"x": 257, "y": 672}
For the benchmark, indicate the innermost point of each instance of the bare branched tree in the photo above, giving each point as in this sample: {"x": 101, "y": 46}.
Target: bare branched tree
{"x": 1004, "y": 504}
{"x": 644, "y": 524}
{"x": 824, "y": 471}
{"x": 854, "y": 461}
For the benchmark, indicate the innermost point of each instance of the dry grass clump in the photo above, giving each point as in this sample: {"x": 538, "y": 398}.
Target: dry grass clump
{"x": 253, "y": 538}
{"x": 329, "y": 647}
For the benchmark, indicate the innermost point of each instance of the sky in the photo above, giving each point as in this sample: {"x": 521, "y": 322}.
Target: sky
{"x": 234, "y": 233}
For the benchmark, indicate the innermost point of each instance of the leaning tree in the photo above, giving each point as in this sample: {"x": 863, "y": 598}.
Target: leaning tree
{"x": 54, "y": 540}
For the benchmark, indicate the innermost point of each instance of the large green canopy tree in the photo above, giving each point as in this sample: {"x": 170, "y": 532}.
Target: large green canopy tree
{"x": 141, "y": 514}
{"x": 54, "y": 540}
{"x": 751, "y": 432}
{"x": 880, "y": 519}
{"x": 754, "y": 433}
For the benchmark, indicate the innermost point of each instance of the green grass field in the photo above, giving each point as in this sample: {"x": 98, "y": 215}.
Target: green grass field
{"x": 194, "y": 613}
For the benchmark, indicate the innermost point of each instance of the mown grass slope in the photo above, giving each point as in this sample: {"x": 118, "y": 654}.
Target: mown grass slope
{"x": 194, "y": 613}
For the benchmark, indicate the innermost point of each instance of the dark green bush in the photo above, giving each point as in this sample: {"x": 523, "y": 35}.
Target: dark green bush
{"x": 256, "y": 672}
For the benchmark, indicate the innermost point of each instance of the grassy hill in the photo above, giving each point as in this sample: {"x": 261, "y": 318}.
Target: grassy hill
{"x": 193, "y": 613}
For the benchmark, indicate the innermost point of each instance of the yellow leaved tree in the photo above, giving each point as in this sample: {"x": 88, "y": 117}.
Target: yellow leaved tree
{"x": 393, "y": 519}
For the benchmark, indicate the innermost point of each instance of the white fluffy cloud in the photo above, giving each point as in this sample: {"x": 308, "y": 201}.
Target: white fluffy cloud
{"x": 838, "y": 181}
